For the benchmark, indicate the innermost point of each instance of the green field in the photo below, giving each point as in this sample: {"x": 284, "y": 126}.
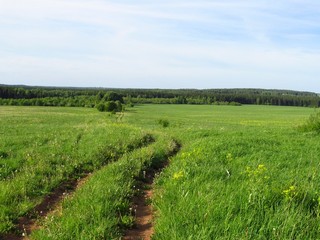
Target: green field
{"x": 243, "y": 172}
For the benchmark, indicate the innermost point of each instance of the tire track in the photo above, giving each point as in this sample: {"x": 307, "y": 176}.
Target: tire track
{"x": 51, "y": 203}
{"x": 141, "y": 207}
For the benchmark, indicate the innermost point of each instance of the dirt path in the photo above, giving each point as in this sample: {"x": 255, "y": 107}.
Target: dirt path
{"x": 143, "y": 227}
{"x": 51, "y": 203}
{"x": 142, "y": 230}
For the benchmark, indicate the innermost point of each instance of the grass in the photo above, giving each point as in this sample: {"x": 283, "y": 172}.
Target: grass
{"x": 47, "y": 146}
{"x": 101, "y": 208}
{"x": 313, "y": 123}
{"x": 244, "y": 172}
{"x": 241, "y": 188}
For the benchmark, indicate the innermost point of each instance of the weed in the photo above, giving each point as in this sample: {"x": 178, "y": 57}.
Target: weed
{"x": 163, "y": 122}
{"x": 126, "y": 221}
{"x": 3, "y": 154}
{"x": 312, "y": 124}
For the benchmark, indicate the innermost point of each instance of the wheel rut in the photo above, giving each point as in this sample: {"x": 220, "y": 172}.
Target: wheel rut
{"x": 141, "y": 203}
{"x": 51, "y": 202}
{"x": 142, "y": 211}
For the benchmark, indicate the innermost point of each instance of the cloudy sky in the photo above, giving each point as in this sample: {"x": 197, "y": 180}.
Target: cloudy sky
{"x": 161, "y": 44}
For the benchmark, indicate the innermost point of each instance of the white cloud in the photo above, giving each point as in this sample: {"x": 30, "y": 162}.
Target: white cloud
{"x": 160, "y": 44}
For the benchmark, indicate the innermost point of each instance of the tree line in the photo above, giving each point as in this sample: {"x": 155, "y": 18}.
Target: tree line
{"x": 92, "y": 97}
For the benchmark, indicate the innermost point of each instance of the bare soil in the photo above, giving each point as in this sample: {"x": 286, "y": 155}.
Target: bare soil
{"x": 51, "y": 203}
{"x": 143, "y": 227}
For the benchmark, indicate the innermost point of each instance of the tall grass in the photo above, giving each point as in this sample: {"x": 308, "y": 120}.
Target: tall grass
{"x": 243, "y": 172}
{"x": 234, "y": 189}
{"x": 241, "y": 182}
{"x": 50, "y": 147}
{"x": 312, "y": 124}
{"x": 101, "y": 208}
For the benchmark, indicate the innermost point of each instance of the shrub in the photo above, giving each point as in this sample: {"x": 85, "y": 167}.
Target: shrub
{"x": 111, "y": 106}
{"x": 119, "y": 106}
{"x": 313, "y": 123}
{"x": 112, "y": 96}
{"x": 164, "y": 123}
{"x": 235, "y": 104}
{"x": 100, "y": 107}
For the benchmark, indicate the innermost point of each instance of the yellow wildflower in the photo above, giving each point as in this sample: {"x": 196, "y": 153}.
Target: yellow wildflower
{"x": 178, "y": 175}
{"x": 290, "y": 193}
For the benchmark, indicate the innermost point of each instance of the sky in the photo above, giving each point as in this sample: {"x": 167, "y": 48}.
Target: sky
{"x": 161, "y": 44}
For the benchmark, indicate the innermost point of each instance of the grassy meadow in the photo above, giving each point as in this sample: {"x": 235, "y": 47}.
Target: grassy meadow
{"x": 243, "y": 172}
{"x": 42, "y": 148}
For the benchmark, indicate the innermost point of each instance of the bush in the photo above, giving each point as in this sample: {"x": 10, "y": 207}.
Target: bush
{"x": 112, "y": 96}
{"x": 313, "y": 123}
{"x": 110, "y": 106}
{"x": 235, "y": 104}
{"x": 100, "y": 107}
{"x": 164, "y": 123}
{"x": 119, "y": 106}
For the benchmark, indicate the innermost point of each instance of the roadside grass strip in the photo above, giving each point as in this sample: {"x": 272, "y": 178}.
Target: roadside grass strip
{"x": 101, "y": 208}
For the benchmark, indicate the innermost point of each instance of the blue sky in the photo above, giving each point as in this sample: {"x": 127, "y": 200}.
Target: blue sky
{"x": 161, "y": 44}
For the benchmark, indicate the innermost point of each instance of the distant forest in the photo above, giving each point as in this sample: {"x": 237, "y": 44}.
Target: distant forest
{"x": 90, "y": 97}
